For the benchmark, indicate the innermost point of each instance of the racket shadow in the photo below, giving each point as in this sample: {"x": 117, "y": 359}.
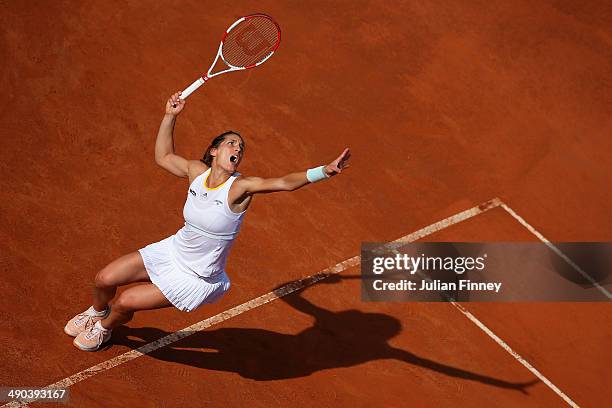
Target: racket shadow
{"x": 336, "y": 339}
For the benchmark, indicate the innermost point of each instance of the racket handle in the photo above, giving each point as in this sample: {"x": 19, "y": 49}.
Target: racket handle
{"x": 191, "y": 88}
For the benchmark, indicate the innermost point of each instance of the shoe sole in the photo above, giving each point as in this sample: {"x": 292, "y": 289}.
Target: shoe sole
{"x": 84, "y": 348}
{"x": 81, "y": 347}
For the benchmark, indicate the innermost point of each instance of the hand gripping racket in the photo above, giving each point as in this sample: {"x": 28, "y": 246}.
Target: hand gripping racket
{"x": 247, "y": 43}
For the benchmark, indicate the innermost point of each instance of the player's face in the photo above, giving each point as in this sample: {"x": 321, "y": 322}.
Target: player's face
{"x": 230, "y": 152}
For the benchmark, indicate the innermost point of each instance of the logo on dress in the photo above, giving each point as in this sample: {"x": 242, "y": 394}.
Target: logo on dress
{"x": 218, "y": 202}
{"x": 203, "y": 195}
{"x": 193, "y": 193}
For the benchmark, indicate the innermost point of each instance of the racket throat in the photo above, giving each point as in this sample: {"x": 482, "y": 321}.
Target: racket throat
{"x": 222, "y": 67}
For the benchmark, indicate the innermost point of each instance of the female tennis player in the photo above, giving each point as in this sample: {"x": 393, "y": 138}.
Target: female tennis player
{"x": 187, "y": 269}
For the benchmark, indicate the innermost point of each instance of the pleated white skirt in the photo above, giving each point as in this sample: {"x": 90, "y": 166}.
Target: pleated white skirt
{"x": 186, "y": 291}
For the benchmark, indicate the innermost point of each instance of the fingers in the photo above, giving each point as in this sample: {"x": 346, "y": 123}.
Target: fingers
{"x": 341, "y": 162}
{"x": 343, "y": 159}
{"x": 340, "y": 167}
{"x": 175, "y": 100}
{"x": 346, "y": 153}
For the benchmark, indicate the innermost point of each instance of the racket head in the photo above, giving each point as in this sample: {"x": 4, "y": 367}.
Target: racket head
{"x": 250, "y": 41}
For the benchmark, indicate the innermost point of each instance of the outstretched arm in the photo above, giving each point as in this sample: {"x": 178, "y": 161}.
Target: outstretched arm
{"x": 293, "y": 181}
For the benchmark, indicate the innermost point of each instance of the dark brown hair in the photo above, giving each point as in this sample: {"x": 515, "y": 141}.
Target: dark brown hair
{"x": 207, "y": 158}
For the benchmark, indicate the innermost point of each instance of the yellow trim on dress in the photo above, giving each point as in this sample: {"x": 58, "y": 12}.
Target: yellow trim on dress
{"x": 213, "y": 188}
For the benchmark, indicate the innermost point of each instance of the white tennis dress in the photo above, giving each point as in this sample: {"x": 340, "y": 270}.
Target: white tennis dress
{"x": 189, "y": 266}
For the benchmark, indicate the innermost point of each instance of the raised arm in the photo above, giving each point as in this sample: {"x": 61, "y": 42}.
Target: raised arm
{"x": 164, "y": 145}
{"x": 293, "y": 181}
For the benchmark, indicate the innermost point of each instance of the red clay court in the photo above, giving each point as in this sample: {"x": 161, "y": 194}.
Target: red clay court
{"x": 467, "y": 121}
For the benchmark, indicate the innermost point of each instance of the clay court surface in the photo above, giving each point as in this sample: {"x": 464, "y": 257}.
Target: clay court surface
{"x": 445, "y": 106}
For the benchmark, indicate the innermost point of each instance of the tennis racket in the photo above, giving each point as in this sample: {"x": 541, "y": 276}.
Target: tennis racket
{"x": 247, "y": 43}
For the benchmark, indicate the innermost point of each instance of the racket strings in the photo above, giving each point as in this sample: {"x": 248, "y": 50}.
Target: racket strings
{"x": 250, "y": 42}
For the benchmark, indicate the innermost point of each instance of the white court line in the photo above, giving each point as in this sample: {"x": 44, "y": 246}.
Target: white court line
{"x": 556, "y": 250}
{"x": 292, "y": 287}
{"x": 474, "y": 211}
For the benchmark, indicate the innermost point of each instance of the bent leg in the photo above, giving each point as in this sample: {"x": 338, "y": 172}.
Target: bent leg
{"x": 122, "y": 271}
{"x": 141, "y": 297}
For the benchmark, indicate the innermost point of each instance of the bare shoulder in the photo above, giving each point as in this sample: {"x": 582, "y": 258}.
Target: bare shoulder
{"x": 243, "y": 180}
{"x": 195, "y": 168}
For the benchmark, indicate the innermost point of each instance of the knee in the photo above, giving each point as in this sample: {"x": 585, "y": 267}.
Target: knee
{"x": 104, "y": 279}
{"x": 124, "y": 304}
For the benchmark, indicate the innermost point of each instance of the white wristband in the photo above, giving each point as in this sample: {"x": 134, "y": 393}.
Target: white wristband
{"x": 316, "y": 174}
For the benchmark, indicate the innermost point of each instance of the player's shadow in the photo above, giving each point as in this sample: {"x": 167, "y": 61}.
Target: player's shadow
{"x": 336, "y": 339}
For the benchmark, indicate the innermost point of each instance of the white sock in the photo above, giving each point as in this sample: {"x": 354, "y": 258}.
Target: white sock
{"x": 93, "y": 312}
{"x": 99, "y": 326}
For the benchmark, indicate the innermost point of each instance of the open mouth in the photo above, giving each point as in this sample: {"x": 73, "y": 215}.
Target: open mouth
{"x": 234, "y": 158}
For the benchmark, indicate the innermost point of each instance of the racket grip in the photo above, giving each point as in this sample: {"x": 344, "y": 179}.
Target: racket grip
{"x": 191, "y": 88}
